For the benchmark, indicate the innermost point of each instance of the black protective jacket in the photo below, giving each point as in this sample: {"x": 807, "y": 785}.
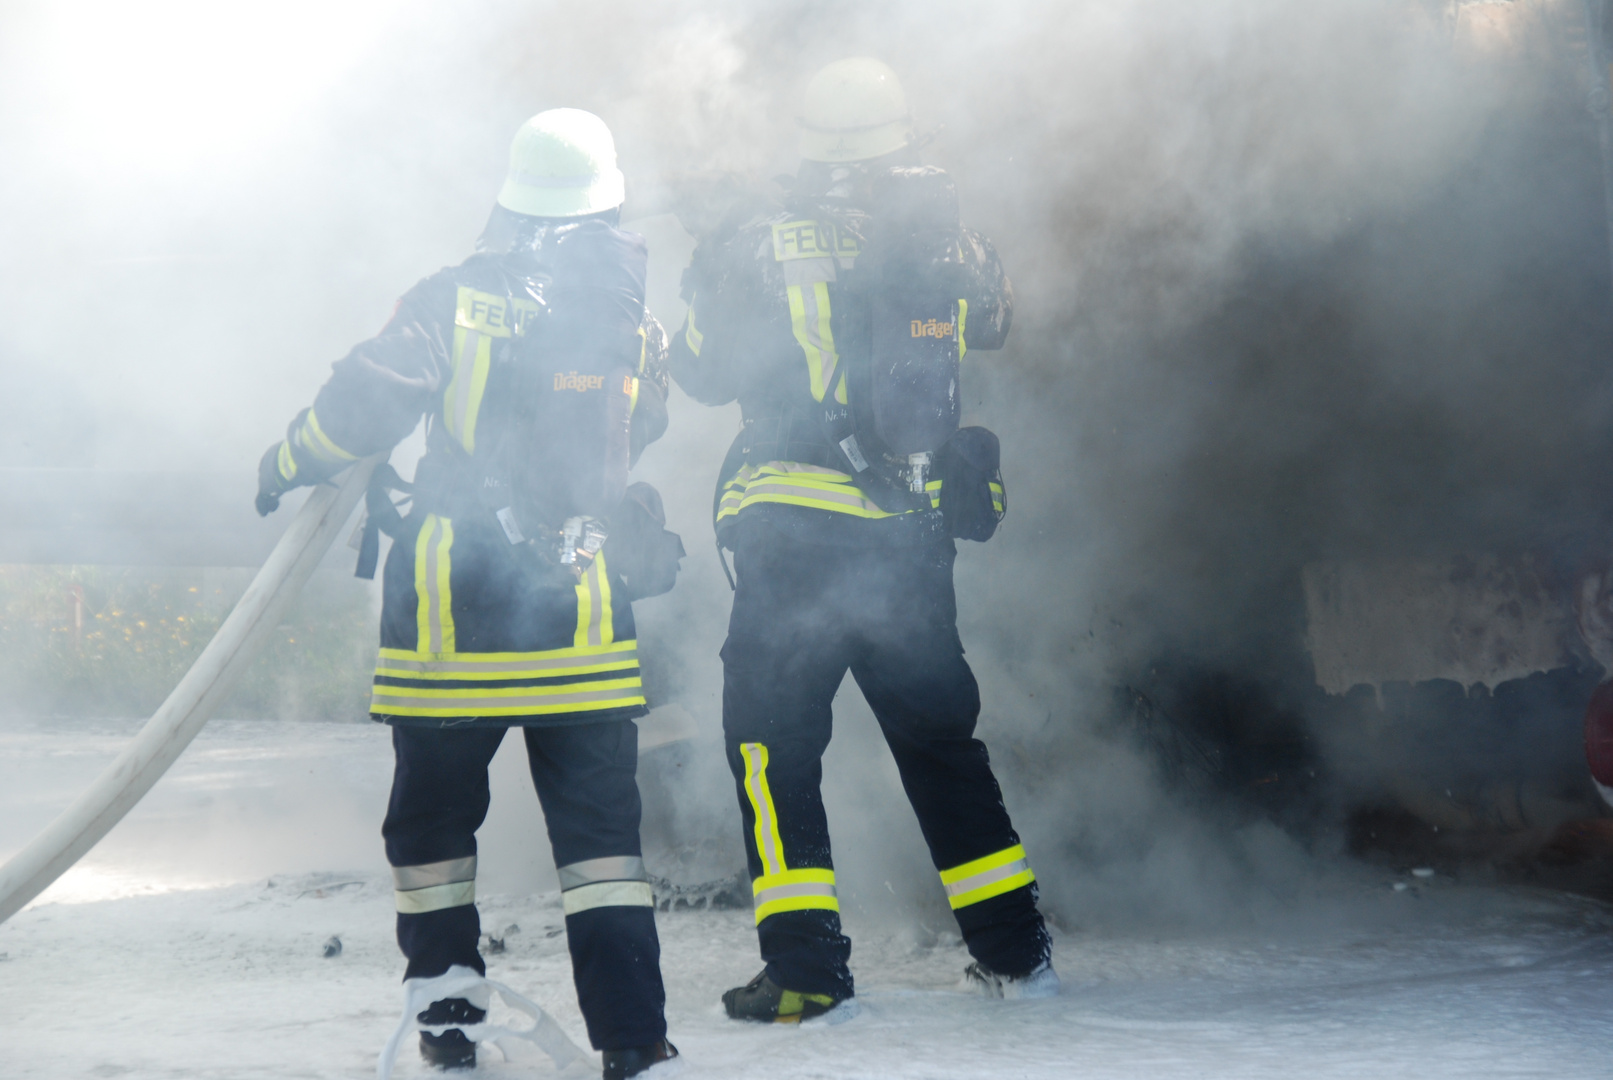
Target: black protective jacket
{"x": 776, "y": 322}
{"x": 541, "y": 377}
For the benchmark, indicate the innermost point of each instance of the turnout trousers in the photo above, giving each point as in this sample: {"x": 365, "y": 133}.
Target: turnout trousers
{"x": 584, "y": 774}
{"x": 803, "y": 615}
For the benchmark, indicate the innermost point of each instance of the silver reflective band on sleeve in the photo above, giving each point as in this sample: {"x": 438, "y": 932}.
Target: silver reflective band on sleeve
{"x": 435, "y": 898}
{"x": 449, "y": 871}
{"x": 609, "y": 868}
{"x": 607, "y": 894}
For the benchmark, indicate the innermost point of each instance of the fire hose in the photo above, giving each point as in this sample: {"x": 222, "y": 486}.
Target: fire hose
{"x": 187, "y": 709}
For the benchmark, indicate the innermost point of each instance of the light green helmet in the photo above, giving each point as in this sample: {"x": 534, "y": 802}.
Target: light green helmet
{"x": 563, "y": 164}
{"x": 854, "y": 110}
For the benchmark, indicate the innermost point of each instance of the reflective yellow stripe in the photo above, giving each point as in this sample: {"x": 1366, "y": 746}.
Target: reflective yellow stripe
{"x": 632, "y": 398}
{"x": 999, "y": 501}
{"x": 997, "y": 873}
{"x": 316, "y": 442}
{"x": 587, "y": 660}
{"x": 607, "y": 894}
{"x": 794, "y": 890}
{"x": 809, "y": 320}
{"x": 963, "y": 319}
{"x": 768, "y": 843}
{"x": 594, "y": 625}
{"x": 643, "y": 348}
{"x": 812, "y": 254}
{"x": 285, "y": 463}
{"x": 478, "y": 318}
{"x": 473, "y": 353}
{"x": 795, "y": 484}
{"x": 434, "y": 613}
{"x": 435, "y": 898}
{"x": 506, "y": 700}
{"x": 692, "y": 337}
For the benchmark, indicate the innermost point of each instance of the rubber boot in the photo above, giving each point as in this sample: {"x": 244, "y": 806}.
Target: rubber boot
{"x": 620, "y": 1064}
{"x": 765, "y": 1001}
{"x": 451, "y": 1049}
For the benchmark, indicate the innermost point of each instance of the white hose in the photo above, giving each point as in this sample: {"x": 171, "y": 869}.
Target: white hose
{"x": 172, "y": 727}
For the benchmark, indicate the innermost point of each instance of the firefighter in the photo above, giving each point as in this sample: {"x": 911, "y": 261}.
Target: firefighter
{"x": 507, "y": 589}
{"x": 838, "y": 324}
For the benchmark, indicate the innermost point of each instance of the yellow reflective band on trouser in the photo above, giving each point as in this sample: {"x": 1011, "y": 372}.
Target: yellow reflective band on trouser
{"x": 593, "y": 606}
{"x": 692, "y": 337}
{"x": 285, "y": 464}
{"x": 434, "y": 615}
{"x": 436, "y": 898}
{"x": 769, "y": 846}
{"x": 435, "y": 886}
{"x": 963, "y": 320}
{"x": 794, "y": 890}
{"x": 997, "y": 873}
{"x": 794, "y": 484}
{"x": 316, "y": 442}
{"x": 607, "y": 894}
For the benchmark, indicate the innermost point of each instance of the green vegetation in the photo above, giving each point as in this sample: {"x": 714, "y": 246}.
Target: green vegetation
{"x": 113, "y": 641}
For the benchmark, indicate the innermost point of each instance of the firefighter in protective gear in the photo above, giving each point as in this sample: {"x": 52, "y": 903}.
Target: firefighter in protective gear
{"x": 838, "y": 323}
{"x": 507, "y": 592}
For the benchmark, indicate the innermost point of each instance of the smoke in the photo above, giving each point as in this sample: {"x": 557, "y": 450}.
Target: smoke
{"x": 1294, "y": 281}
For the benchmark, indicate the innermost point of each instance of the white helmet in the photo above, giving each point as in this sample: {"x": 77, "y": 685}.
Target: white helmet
{"x": 563, "y": 164}
{"x": 854, "y": 110}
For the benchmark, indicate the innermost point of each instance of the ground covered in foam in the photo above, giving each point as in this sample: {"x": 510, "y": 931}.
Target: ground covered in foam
{"x": 171, "y": 953}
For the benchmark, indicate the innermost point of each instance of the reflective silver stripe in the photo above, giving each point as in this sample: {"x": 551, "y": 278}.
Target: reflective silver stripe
{"x": 436, "y": 898}
{"x": 457, "y": 701}
{"x": 436, "y": 531}
{"x": 433, "y": 593}
{"x": 988, "y": 877}
{"x": 799, "y": 467}
{"x": 790, "y": 892}
{"x": 466, "y": 371}
{"x": 437, "y": 873}
{"x": 596, "y": 601}
{"x": 801, "y": 491}
{"x": 607, "y": 894}
{"x": 609, "y": 868}
{"x": 628, "y": 653}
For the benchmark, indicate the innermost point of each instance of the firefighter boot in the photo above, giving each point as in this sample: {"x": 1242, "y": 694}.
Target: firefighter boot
{"x": 449, "y": 1049}
{"x": 1040, "y": 982}
{"x": 620, "y": 1064}
{"x": 767, "y": 1002}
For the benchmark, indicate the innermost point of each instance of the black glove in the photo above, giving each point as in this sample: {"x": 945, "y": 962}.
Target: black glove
{"x": 270, "y": 484}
